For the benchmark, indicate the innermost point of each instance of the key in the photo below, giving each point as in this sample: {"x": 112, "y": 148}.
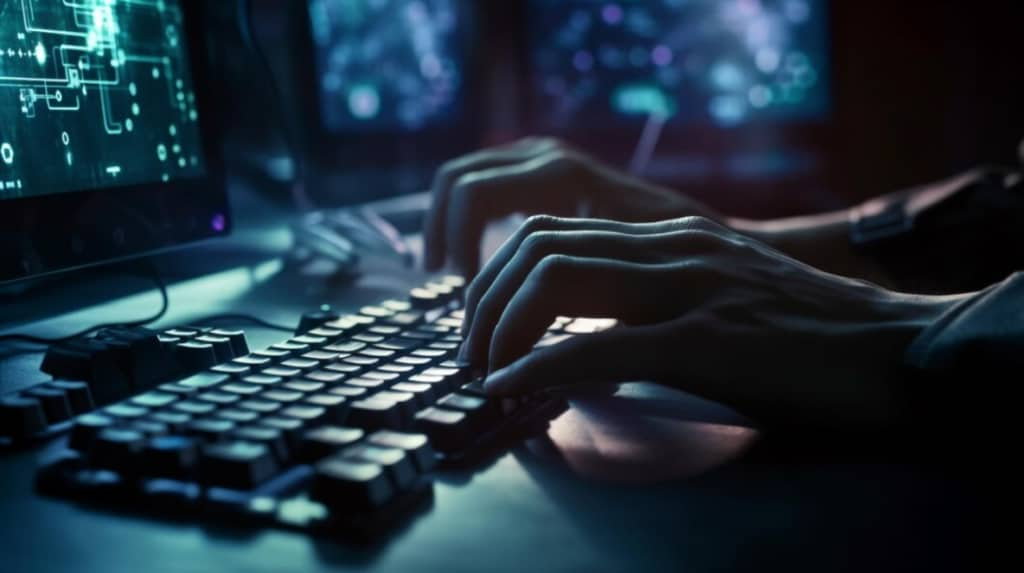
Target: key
{"x": 169, "y": 456}
{"x": 175, "y": 421}
{"x": 311, "y": 416}
{"x": 448, "y": 430}
{"x": 243, "y": 390}
{"x": 125, "y": 411}
{"x": 238, "y": 416}
{"x": 384, "y": 330}
{"x": 304, "y": 386}
{"x": 429, "y": 353}
{"x": 239, "y": 347}
{"x": 401, "y": 344}
{"x": 369, "y": 338}
{"x": 55, "y": 403}
{"x": 348, "y": 392}
{"x": 282, "y": 396}
{"x": 375, "y": 352}
{"x": 397, "y": 305}
{"x": 195, "y": 356}
{"x": 253, "y": 361}
{"x": 360, "y": 360}
{"x": 262, "y": 380}
{"x": 336, "y": 406}
{"x": 149, "y": 428}
{"x": 236, "y": 465}
{"x": 153, "y": 400}
{"x": 382, "y": 376}
{"x": 292, "y": 428}
{"x": 281, "y": 372}
{"x": 309, "y": 340}
{"x": 414, "y": 360}
{"x": 85, "y": 430}
{"x": 260, "y": 406}
{"x": 343, "y": 368}
{"x": 344, "y": 485}
{"x": 316, "y": 319}
{"x": 79, "y": 396}
{"x": 347, "y": 347}
{"x": 116, "y": 449}
{"x": 222, "y": 348}
{"x": 376, "y": 312}
{"x": 397, "y": 368}
{"x": 406, "y": 319}
{"x": 478, "y": 410}
{"x": 328, "y": 334}
{"x": 219, "y": 398}
{"x": 367, "y": 383}
{"x": 272, "y": 354}
{"x": 416, "y": 446}
{"x": 204, "y": 380}
{"x": 193, "y": 408}
{"x": 301, "y": 364}
{"x": 406, "y": 402}
{"x": 232, "y": 369}
{"x": 177, "y": 390}
{"x": 425, "y": 394}
{"x": 321, "y": 356}
{"x": 424, "y": 299}
{"x": 209, "y": 430}
{"x": 273, "y": 438}
{"x": 325, "y": 377}
{"x": 375, "y": 414}
{"x": 396, "y": 464}
{"x": 291, "y": 348}
{"x": 321, "y": 442}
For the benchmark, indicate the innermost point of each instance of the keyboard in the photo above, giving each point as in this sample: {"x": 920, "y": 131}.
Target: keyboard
{"x": 338, "y": 428}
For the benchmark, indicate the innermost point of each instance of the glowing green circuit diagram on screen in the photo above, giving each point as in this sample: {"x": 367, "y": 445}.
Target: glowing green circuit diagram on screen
{"x": 94, "y": 94}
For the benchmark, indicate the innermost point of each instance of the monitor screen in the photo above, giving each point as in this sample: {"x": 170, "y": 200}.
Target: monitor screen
{"x": 94, "y": 94}
{"x": 388, "y": 65}
{"x": 724, "y": 63}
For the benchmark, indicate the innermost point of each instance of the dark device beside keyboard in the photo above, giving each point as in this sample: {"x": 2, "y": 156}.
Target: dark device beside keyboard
{"x": 336, "y": 428}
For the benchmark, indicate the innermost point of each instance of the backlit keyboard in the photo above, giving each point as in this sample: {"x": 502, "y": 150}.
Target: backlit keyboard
{"x": 336, "y": 428}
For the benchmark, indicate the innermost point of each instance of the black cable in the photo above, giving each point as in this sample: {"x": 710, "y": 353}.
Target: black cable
{"x": 247, "y": 29}
{"x": 41, "y": 340}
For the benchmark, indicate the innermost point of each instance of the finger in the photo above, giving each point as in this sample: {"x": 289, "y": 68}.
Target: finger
{"x": 483, "y": 317}
{"x": 599, "y": 288}
{"x": 549, "y": 183}
{"x": 616, "y": 355}
{"x": 450, "y": 172}
{"x": 546, "y": 223}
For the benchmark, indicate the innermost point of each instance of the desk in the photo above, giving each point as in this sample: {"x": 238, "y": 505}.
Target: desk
{"x": 558, "y": 502}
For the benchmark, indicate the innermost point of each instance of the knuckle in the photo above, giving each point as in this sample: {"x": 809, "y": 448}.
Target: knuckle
{"x": 538, "y": 223}
{"x": 550, "y": 266}
{"x": 536, "y": 243}
{"x": 696, "y": 222}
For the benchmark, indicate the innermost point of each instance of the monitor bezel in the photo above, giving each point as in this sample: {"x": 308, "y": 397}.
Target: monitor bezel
{"x": 56, "y": 233}
{"x": 338, "y": 151}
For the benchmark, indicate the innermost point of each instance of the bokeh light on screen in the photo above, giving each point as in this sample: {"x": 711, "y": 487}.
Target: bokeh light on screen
{"x": 718, "y": 62}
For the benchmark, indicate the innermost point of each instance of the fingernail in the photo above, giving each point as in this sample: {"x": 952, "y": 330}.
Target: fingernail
{"x": 495, "y": 380}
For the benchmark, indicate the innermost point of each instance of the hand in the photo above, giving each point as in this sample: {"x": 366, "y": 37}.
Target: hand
{"x": 703, "y": 309}
{"x": 533, "y": 176}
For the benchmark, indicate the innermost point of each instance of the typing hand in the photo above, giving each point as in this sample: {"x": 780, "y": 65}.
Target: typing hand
{"x": 703, "y": 309}
{"x": 533, "y": 176}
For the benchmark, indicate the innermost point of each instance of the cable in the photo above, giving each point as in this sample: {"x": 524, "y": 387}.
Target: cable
{"x": 164, "y": 306}
{"x": 247, "y": 28}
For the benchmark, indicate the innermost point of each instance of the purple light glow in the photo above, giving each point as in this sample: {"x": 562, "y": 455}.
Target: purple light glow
{"x": 583, "y": 61}
{"x": 661, "y": 56}
{"x": 612, "y": 14}
{"x": 219, "y": 223}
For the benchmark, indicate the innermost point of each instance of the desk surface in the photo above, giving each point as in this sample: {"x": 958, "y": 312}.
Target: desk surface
{"x": 642, "y": 480}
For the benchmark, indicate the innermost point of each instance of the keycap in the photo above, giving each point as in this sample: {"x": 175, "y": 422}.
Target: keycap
{"x": 346, "y": 347}
{"x": 260, "y": 406}
{"x": 325, "y": 377}
{"x": 321, "y": 442}
{"x": 396, "y": 305}
{"x": 424, "y": 299}
{"x": 315, "y": 319}
{"x": 321, "y": 355}
{"x": 345, "y": 485}
{"x": 406, "y": 319}
{"x": 348, "y": 392}
{"x": 177, "y": 389}
{"x": 125, "y": 411}
{"x": 397, "y": 368}
{"x": 55, "y": 403}
{"x": 304, "y": 386}
{"x": 204, "y": 380}
{"x": 222, "y": 347}
{"x": 375, "y": 414}
{"x": 154, "y": 399}
{"x": 448, "y": 430}
{"x": 369, "y": 338}
{"x": 478, "y": 410}
{"x": 444, "y": 291}
{"x": 85, "y": 430}
{"x": 343, "y": 368}
{"x": 429, "y": 353}
{"x": 400, "y": 344}
{"x": 290, "y": 348}
{"x": 195, "y": 356}
{"x": 175, "y": 421}
{"x": 232, "y": 369}
{"x": 239, "y": 347}
{"x": 376, "y": 311}
{"x": 236, "y": 465}
{"x": 384, "y": 330}
{"x": 149, "y": 428}
{"x": 252, "y": 361}
{"x": 193, "y": 408}
{"x": 328, "y": 334}
{"x": 406, "y": 402}
{"x": 301, "y": 364}
{"x": 169, "y": 456}
{"x": 367, "y": 383}
{"x": 396, "y": 464}
{"x": 272, "y": 354}
{"x": 363, "y": 361}
{"x": 78, "y": 394}
{"x": 382, "y": 376}
{"x": 209, "y": 429}
{"x": 336, "y": 406}
{"x": 292, "y": 428}
{"x": 414, "y": 360}
{"x": 262, "y": 379}
{"x": 309, "y": 340}
{"x": 281, "y": 372}
{"x": 311, "y": 416}
{"x": 218, "y": 398}
{"x": 241, "y": 389}
{"x": 116, "y": 449}
{"x": 425, "y": 394}
{"x": 282, "y": 396}
{"x": 273, "y": 438}
{"x": 416, "y": 446}
{"x": 376, "y": 352}
{"x": 237, "y": 415}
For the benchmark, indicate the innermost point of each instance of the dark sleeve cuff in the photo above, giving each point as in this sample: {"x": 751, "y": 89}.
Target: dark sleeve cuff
{"x": 983, "y": 331}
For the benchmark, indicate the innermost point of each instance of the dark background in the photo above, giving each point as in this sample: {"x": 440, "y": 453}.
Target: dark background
{"x": 922, "y": 90}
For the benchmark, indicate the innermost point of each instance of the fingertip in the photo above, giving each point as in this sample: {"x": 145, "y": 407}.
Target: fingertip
{"x": 500, "y": 383}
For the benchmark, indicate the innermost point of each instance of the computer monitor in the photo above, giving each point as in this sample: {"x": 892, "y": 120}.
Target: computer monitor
{"x": 387, "y": 80}
{"x": 106, "y": 148}
{"x": 613, "y": 64}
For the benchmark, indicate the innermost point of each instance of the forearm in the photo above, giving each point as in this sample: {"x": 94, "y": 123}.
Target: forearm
{"x": 822, "y": 241}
